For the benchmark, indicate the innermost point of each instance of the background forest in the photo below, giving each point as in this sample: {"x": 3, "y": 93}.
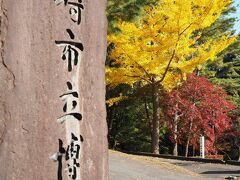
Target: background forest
{"x": 173, "y": 75}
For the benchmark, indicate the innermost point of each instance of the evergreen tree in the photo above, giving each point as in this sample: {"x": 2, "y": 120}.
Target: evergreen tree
{"x": 125, "y": 10}
{"x": 225, "y": 70}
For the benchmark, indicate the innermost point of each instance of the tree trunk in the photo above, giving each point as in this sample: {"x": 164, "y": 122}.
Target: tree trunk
{"x": 149, "y": 121}
{"x": 238, "y": 153}
{"x": 188, "y": 139}
{"x": 193, "y": 151}
{"x": 156, "y": 117}
{"x": 110, "y": 117}
{"x": 33, "y": 76}
{"x": 175, "y": 148}
{"x": 187, "y": 144}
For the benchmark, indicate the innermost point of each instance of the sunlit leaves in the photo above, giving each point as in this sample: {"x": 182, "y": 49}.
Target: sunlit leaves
{"x": 162, "y": 40}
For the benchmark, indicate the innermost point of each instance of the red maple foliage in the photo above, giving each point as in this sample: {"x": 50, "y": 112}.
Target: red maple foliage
{"x": 229, "y": 141}
{"x": 202, "y": 111}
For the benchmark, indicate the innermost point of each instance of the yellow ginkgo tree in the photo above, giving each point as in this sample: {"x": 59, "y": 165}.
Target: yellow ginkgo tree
{"x": 162, "y": 47}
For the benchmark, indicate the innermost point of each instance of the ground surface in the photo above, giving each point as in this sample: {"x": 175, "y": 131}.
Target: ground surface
{"x": 208, "y": 170}
{"x": 130, "y": 167}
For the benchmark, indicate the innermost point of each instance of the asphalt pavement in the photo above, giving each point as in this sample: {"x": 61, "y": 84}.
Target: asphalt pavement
{"x": 208, "y": 170}
{"x": 132, "y": 167}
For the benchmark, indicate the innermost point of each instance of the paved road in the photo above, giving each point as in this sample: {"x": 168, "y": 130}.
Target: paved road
{"x": 129, "y": 167}
{"x": 207, "y": 170}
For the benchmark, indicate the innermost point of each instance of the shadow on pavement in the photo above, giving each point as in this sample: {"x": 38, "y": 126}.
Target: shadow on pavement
{"x": 221, "y": 172}
{"x": 188, "y": 163}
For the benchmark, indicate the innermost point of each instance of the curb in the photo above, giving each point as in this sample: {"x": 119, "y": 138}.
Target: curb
{"x": 214, "y": 161}
{"x": 236, "y": 163}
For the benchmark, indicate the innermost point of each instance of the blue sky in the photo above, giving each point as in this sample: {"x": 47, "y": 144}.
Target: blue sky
{"x": 237, "y": 14}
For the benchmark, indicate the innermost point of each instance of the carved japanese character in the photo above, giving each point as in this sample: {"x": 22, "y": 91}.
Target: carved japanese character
{"x": 75, "y": 9}
{"x": 70, "y": 105}
{"x": 71, "y": 50}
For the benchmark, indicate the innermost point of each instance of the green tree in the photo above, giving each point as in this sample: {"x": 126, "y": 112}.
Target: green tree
{"x": 125, "y": 10}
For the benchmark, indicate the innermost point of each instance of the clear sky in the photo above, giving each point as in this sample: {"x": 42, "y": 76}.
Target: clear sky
{"x": 237, "y": 25}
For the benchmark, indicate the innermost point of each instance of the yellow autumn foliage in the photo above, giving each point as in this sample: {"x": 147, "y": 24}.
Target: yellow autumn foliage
{"x": 163, "y": 45}
{"x": 110, "y": 102}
